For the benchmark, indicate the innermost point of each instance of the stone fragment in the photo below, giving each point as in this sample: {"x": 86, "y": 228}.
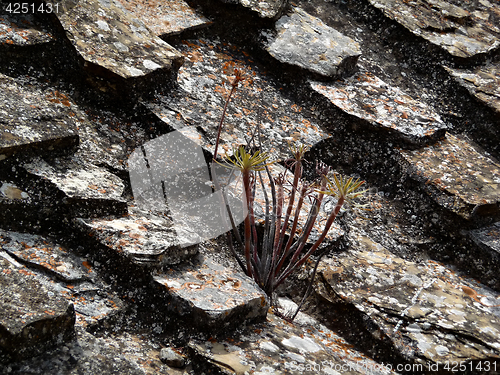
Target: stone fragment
{"x": 457, "y": 175}
{"x": 464, "y": 31}
{"x": 428, "y": 313}
{"x": 383, "y": 106}
{"x": 172, "y": 358}
{"x": 114, "y": 43}
{"x": 32, "y": 119}
{"x": 166, "y": 17}
{"x": 204, "y": 80}
{"x": 63, "y": 274}
{"x": 305, "y": 41}
{"x": 488, "y": 237}
{"x": 36, "y": 251}
{"x": 88, "y": 190}
{"x": 31, "y": 318}
{"x": 278, "y": 347}
{"x": 143, "y": 237}
{"x": 17, "y": 207}
{"x": 265, "y": 8}
{"x": 116, "y": 353}
{"x": 483, "y": 82}
{"x": 21, "y": 29}
{"x": 212, "y": 296}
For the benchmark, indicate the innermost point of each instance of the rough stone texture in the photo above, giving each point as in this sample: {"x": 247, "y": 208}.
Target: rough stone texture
{"x": 428, "y": 312}
{"x": 33, "y": 119}
{"x": 63, "y": 274}
{"x": 464, "y": 30}
{"x": 305, "y": 41}
{"x": 212, "y": 295}
{"x": 482, "y": 82}
{"x": 21, "y": 30}
{"x": 172, "y": 357}
{"x": 125, "y": 353}
{"x": 111, "y": 39}
{"x": 143, "y": 237}
{"x": 86, "y": 188}
{"x": 367, "y": 97}
{"x": 488, "y": 237}
{"x": 458, "y": 176}
{"x": 204, "y": 79}
{"x": 265, "y": 8}
{"x": 31, "y": 319}
{"x": 166, "y": 17}
{"x": 278, "y": 347}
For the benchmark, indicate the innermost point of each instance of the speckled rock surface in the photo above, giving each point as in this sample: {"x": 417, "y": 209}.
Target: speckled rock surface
{"x": 212, "y": 295}
{"x": 464, "y": 29}
{"x": 307, "y": 42}
{"x": 458, "y": 176}
{"x": 111, "y": 39}
{"x": 383, "y": 106}
{"x": 31, "y": 320}
{"x": 166, "y": 18}
{"x": 63, "y": 274}
{"x": 265, "y": 8}
{"x": 86, "y": 188}
{"x": 488, "y": 237}
{"x": 33, "y": 119}
{"x": 143, "y": 237}
{"x": 482, "y": 82}
{"x": 21, "y": 30}
{"x": 278, "y": 347}
{"x": 204, "y": 79}
{"x": 429, "y": 313}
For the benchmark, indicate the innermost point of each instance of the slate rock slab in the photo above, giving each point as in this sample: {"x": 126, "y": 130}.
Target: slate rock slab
{"x": 204, "y": 80}
{"x": 458, "y": 175}
{"x": 115, "y": 44}
{"x": 278, "y": 347}
{"x": 430, "y": 314}
{"x": 265, "y": 8}
{"x": 482, "y": 82}
{"x": 488, "y": 237}
{"x": 464, "y": 30}
{"x": 305, "y": 41}
{"x": 32, "y": 119}
{"x": 31, "y": 319}
{"x": 143, "y": 237}
{"x": 166, "y": 17}
{"x": 212, "y": 296}
{"x": 88, "y": 190}
{"x": 21, "y": 30}
{"x": 367, "y": 97}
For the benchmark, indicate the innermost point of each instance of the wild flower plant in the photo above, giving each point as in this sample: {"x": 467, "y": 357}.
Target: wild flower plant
{"x": 278, "y": 248}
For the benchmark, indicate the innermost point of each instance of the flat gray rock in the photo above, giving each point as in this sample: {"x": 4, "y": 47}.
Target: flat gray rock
{"x": 108, "y": 36}
{"x": 458, "y": 176}
{"x": 278, "y": 347}
{"x": 488, "y": 237}
{"x": 213, "y": 296}
{"x": 483, "y": 82}
{"x": 31, "y": 319}
{"x": 21, "y": 30}
{"x": 429, "y": 314}
{"x": 463, "y": 31}
{"x": 88, "y": 190}
{"x": 204, "y": 80}
{"x": 265, "y": 8}
{"x": 32, "y": 119}
{"x": 166, "y": 17}
{"x": 145, "y": 238}
{"x": 367, "y": 97}
{"x": 305, "y": 41}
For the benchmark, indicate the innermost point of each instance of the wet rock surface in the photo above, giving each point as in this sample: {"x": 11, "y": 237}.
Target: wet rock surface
{"x": 94, "y": 281}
